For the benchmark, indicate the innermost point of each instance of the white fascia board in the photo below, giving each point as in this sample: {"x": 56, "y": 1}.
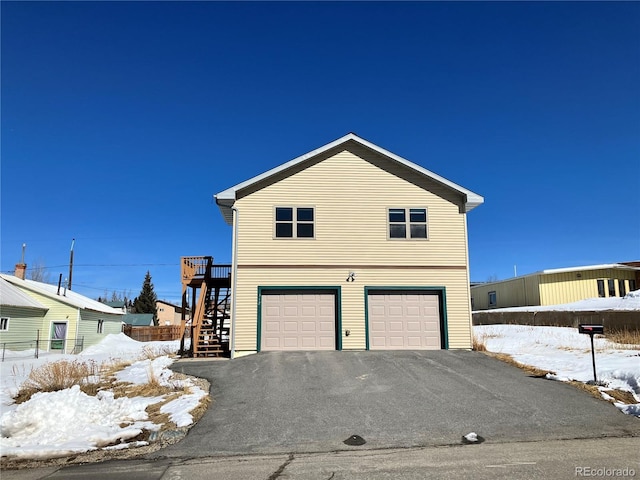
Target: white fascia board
{"x": 590, "y": 267}
{"x": 226, "y": 198}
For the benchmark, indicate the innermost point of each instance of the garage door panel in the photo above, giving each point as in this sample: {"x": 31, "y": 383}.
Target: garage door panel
{"x": 298, "y": 321}
{"x": 287, "y": 326}
{"x": 404, "y": 321}
{"x": 413, "y": 326}
{"x": 326, "y": 326}
{"x": 308, "y": 326}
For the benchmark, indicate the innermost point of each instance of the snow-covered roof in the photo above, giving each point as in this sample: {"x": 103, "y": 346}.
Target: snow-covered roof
{"x": 617, "y": 266}
{"x": 590, "y": 267}
{"x": 226, "y": 198}
{"x": 11, "y": 296}
{"x": 69, "y": 297}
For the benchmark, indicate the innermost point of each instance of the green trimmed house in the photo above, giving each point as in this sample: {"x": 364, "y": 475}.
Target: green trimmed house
{"x": 349, "y": 247}
{"x": 61, "y": 319}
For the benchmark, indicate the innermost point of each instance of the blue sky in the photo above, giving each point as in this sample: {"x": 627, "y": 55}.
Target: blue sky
{"x": 121, "y": 120}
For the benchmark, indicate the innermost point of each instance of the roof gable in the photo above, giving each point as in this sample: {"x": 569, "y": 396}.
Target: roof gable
{"x": 227, "y": 198}
{"x": 70, "y": 297}
{"x": 12, "y": 296}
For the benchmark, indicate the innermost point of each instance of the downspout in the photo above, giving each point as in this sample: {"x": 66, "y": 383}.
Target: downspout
{"x": 234, "y": 281}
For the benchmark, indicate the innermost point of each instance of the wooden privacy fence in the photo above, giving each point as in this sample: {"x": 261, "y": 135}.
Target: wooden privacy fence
{"x": 611, "y": 319}
{"x": 152, "y": 334}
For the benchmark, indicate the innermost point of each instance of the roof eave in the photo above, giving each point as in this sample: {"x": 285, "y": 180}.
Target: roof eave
{"x": 227, "y": 198}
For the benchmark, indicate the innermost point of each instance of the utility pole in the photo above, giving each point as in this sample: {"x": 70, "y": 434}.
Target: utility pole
{"x": 73, "y": 241}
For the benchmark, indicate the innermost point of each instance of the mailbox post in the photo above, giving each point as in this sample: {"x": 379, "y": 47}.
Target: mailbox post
{"x": 591, "y": 330}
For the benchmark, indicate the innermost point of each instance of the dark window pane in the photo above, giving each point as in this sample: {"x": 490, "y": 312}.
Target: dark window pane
{"x": 397, "y": 215}
{"x": 284, "y": 214}
{"x": 632, "y": 285}
{"x": 398, "y": 231}
{"x": 601, "y": 288}
{"x": 612, "y": 287}
{"x": 305, "y": 215}
{"x": 417, "y": 215}
{"x": 621, "y": 288}
{"x": 418, "y": 231}
{"x": 305, "y": 230}
{"x": 284, "y": 230}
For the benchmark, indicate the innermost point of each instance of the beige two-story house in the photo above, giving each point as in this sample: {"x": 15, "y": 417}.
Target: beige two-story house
{"x": 349, "y": 247}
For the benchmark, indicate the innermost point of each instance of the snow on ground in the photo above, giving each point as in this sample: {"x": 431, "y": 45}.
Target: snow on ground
{"x": 53, "y": 424}
{"x": 567, "y": 353}
{"x": 70, "y": 421}
{"x": 631, "y": 301}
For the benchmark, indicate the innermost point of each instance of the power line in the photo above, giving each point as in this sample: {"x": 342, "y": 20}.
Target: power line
{"x": 109, "y": 265}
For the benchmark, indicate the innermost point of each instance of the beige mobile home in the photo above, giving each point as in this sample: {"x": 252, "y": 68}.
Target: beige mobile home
{"x": 349, "y": 247}
{"x": 557, "y": 286}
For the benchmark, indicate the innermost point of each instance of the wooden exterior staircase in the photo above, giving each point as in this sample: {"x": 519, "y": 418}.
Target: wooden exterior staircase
{"x": 210, "y": 288}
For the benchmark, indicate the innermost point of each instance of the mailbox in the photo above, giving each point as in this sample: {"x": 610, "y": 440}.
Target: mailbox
{"x": 591, "y": 329}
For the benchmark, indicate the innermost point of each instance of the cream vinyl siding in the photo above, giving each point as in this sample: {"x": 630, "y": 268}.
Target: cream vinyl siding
{"x": 352, "y": 297}
{"x": 568, "y": 287}
{"x": 351, "y": 191}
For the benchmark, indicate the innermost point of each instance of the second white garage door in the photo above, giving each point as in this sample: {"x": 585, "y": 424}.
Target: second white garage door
{"x": 298, "y": 321}
{"x": 404, "y": 321}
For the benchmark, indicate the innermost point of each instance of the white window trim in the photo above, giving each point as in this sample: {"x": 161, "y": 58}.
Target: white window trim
{"x": 294, "y": 222}
{"x": 4, "y": 320}
{"x": 407, "y": 223}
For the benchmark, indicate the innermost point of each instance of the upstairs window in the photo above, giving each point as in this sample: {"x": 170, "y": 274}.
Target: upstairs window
{"x": 294, "y": 222}
{"x": 601, "y": 289}
{"x": 407, "y": 223}
{"x": 100, "y": 326}
{"x": 612, "y": 287}
{"x": 4, "y": 323}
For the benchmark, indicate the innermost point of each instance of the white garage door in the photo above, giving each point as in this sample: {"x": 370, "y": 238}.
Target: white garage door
{"x": 404, "y": 321}
{"x": 298, "y": 321}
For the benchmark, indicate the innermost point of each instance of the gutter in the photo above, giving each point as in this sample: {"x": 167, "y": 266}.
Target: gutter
{"x": 234, "y": 281}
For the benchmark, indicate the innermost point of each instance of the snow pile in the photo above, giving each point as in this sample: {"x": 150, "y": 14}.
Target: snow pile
{"x": 631, "y": 301}
{"x": 567, "y": 353}
{"x": 69, "y": 421}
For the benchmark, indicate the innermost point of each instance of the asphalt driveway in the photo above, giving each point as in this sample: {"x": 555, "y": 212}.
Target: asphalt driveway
{"x": 312, "y": 401}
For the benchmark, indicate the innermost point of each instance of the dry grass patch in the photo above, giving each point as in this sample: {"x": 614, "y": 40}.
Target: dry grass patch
{"x": 150, "y": 352}
{"x": 617, "y": 395}
{"x": 479, "y": 343}
{"x": 533, "y": 371}
{"x": 55, "y": 376}
{"x": 628, "y": 338}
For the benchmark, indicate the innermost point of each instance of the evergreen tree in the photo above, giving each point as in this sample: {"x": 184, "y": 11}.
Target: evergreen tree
{"x": 146, "y": 301}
